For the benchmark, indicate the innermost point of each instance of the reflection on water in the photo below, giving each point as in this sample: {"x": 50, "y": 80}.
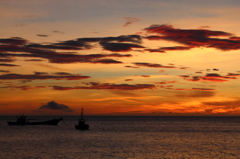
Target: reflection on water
{"x": 124, "y": 137}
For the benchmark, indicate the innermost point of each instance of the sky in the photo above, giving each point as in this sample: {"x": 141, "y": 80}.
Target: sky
{"x": 128, "y": 57}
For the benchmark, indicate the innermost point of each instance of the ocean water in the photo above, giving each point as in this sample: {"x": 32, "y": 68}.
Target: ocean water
{"x": 117, "y": 137}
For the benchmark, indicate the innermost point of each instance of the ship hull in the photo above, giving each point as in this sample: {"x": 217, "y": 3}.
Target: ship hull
{"x": 49, "y": 122}
{"x": 82, "y": 127}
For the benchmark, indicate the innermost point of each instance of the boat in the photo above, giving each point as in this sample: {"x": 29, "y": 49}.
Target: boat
{"x": 22, "y": 120}
{"x": 81, "y": 123}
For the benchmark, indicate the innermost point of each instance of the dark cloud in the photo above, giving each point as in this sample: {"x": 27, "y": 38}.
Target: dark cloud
{"x": 166, "y": 82}
{"x": 18, "y": 47}
{"x": 235, "y": 38}
{"x": 91, "y": 58}
{"x": 203, "y": 89}
{"x": 175, "y": 48}
{"x": 119, "y": 46}
{"x": 204, "y": 27}
{"x": 107, "y": 61}
{"x": 212, "y": 77}
{"x": 6, "y": 60}
{"x": 56, "y": 31}
{"x": 228, "y": 106}
{"x": 130, "y": 20}
{"x": 59, "y": 47}
{"x": 108, "y": 43}
{"x": 136, "y": 39}
{"x": 63, "y": 74}
{"x": 194, "y": 37}
{"x": 25, "y": 87}
{"x": 5, "y": 71}
{"x": 152, "y": 65}
{"x": 108, "y": 86}
{"x": 155, "y": 50}
{"x": 13, "y": 41}
{"x": 86, "y": 42}
{"x": 106, "y": 55}
{"x": 131, "y": 67}
{"x": 183, "y": 68}
{"x": 146, "y": 76}
{"x": 233, "y": 74}
{"x": 55, "y": 106}
{"x": 195, "y": 94}
{"x": 225, "y": 104}
{"x": 164, "y": 49}
{"x": 39, "y": 76}
{"x": 55, "y": 57}
{"x": 8, "y": 65}
{"x": 34, "y": 60}
{"x": 40, "y": 73}
{"x": 42, "y": 35}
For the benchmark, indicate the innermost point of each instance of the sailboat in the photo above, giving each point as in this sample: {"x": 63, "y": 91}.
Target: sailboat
{"x": 81, "y": 123}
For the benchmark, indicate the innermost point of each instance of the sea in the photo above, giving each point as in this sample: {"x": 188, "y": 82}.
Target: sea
{"x": 123, "y": 137}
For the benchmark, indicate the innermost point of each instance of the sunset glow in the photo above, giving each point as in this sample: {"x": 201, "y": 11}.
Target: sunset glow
{"x": 132, "y": 57}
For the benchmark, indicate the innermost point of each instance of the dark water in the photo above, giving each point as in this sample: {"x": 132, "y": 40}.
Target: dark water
{"x": 124, "y": 137}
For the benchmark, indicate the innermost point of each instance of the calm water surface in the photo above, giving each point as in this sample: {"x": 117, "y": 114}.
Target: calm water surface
{"x": 124, "y": 137}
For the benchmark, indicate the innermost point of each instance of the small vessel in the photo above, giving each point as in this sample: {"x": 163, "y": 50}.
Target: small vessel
{"x": 81, "y": 123}
{"x": 22, "y": 120}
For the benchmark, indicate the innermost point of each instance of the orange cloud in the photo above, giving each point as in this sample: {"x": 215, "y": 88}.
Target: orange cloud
{"x": 108, "y": 86}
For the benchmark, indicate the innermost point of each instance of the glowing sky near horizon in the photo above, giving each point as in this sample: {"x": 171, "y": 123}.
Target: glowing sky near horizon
{"x": 135, "y": 57}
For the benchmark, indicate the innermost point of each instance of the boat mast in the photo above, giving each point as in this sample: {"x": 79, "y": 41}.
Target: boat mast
{"x": 82, "y": 113}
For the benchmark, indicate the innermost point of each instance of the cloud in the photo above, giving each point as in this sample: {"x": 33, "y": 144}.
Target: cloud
{"x": 34, "y": 60}
{"x": 55, "y": 106}
{"x": 212, "y": 77}
{"x": 119, "y": 43}
{"x": 42, "y": 35}
{"x": 233, "y": 74}
{"x": 130, "y": 20}
{"x": 152, "y": 65}
{"x": 146, "y": 76}
{"x": 18, "y": 47}
{"x": 128, "y": 80}
{"x": 228, "y": 106}
{"x": 7, "y": 60}
{"x": 196, "y": 93}
{"x": 164, "y": 49}
{"x": 59, "y": 73}
{"x": 155, "y": 50}
{"x": 122, "y": 38}
{"x": 5, "y": 71}
{"x": 131, "y": 67}
{"x": 194, "y": 89}
{"x": 13, "y": 41}
{"x": 194, "y": 37}
{"x": 41, "y": 73}
{"x": 166, "y": 82}
{"x": 108, "y": 86}
{"x": 25, "y": 87}
{"x": 55, "y": 57}
{"x": 38, "y": 76}
{"x": 119, "y": 46}
{"x": 58, "y": 46}
{"x": 107, "y": 61}
{"x": 8, "y": 65}
{"x": 59, "y": 32}
{"x": 203, "y": 89}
